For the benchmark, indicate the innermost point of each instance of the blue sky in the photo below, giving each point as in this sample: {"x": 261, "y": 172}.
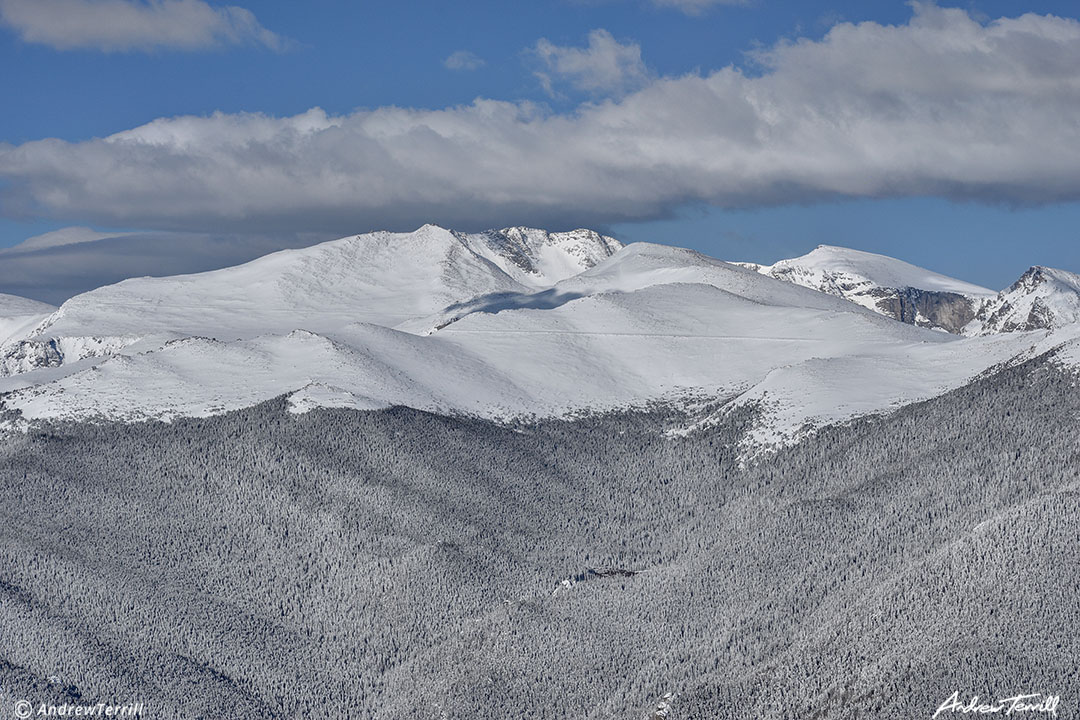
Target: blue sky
{"x": 967, "y": 177}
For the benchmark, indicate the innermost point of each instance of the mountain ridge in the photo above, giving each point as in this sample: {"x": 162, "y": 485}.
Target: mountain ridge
{"x": 1042, "y": 298}
{"x": 508, "y": 323}
{"x": 885, "y": 285}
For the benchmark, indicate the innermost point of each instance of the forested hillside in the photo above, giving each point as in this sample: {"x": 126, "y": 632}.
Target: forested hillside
{"x": 398, "y": 564}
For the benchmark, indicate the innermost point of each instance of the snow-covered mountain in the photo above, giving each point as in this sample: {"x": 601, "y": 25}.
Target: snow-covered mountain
{"x": 506, "y": 323}
{"x": 384, "y": 279}
{"x": 379, "y": 278}
{"x": 891, "y": 287}
{"x": 1042, "y": 298}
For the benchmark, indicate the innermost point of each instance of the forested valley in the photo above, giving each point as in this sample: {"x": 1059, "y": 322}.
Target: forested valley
{"x": 398, "y": 564}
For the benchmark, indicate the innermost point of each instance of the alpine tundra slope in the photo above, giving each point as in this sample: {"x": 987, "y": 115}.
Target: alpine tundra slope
{"x": 523, "y": 322}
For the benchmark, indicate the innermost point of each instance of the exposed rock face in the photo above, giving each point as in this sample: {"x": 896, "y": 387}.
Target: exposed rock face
{"x": 946, "y": 311}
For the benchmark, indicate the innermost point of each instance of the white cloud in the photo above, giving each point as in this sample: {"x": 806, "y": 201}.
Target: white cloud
{"x": 943, "y": 105}
{"x": 696, "y": 7}
{"x": 605, "y": 66}
{"x": 117, "y": 25}
{"x": 463, "y": 60}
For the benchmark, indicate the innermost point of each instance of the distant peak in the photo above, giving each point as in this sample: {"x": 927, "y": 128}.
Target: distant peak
{"x": 518, "y": 230}
{"x": 524, "y": 230}
{"x": 1037, "y": 275}
{"x": 1044, "y": 272}
{"x": 840, "y": 250}
{"x": 540, "y": 257}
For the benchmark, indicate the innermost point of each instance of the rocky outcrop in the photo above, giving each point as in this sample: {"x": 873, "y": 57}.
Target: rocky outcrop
{"x": 27, "y": 355}
{"x": 942, "y": 310}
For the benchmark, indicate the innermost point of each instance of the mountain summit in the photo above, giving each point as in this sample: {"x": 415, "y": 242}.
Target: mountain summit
{"x": 1043, "y": 298}
{"x": 888, "y": 286}
{"x": 380, "y": 278}
{"x": 538, "y": 258}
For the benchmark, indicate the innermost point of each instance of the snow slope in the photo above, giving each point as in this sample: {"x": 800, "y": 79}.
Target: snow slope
{"x": 667, "y": 341}
{"x": 636, "y": 267}
{"x": 367, "y": 366}
{"x": 800, "y": 397}
{"x": 501, "y": 324}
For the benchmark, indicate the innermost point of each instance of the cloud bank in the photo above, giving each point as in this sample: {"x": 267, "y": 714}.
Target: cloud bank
{"x": 120, "y": 25}
{"x": 944, "y": 105}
